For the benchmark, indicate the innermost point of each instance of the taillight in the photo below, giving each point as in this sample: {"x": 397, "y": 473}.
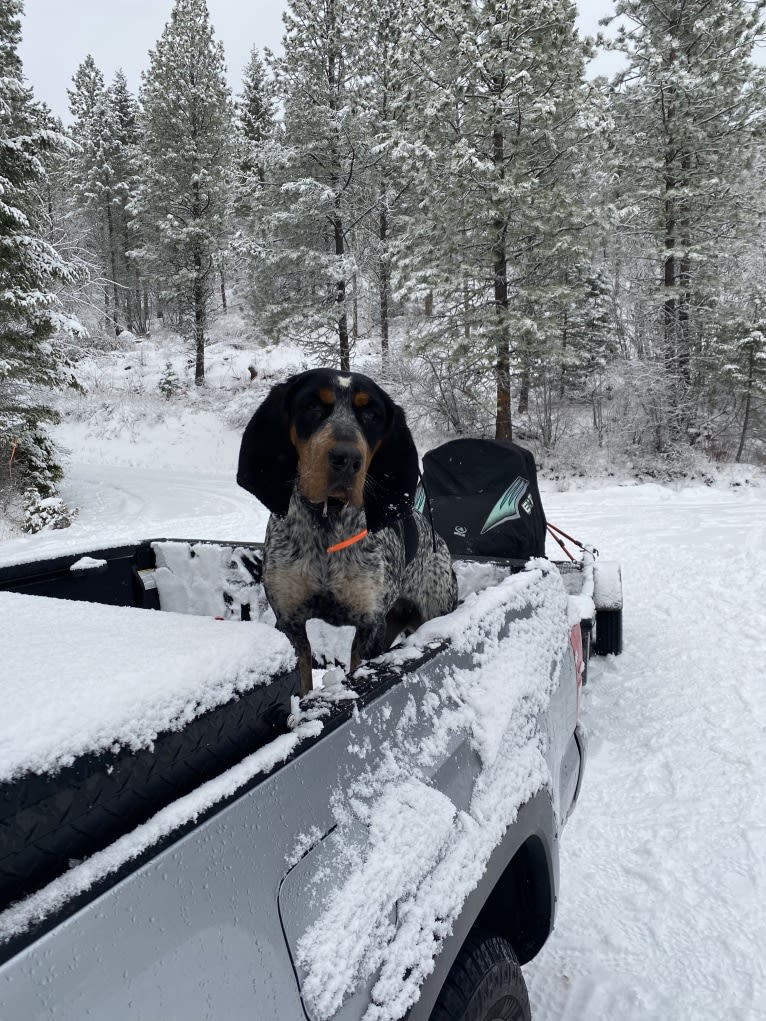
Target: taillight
{"x": 575, "y": 638}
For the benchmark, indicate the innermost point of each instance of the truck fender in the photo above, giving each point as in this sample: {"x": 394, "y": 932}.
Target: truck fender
{"x": 516, "y": 896}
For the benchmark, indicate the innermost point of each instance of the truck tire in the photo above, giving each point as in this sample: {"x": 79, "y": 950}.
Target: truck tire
{"x": 608, "y": 632}
{"x": 484, "y": 984}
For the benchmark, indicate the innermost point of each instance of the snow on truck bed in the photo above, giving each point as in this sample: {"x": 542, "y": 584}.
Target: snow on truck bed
{"x": 496, "y": 699}
{"x": 83, "y": 677}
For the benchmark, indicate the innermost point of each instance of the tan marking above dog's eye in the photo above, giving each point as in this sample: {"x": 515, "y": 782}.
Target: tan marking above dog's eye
{"x": 361, "y": 400}
{"x": 326, "y": 396}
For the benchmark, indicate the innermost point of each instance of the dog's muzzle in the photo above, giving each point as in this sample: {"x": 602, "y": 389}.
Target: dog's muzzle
{"x": 345, "y": 461}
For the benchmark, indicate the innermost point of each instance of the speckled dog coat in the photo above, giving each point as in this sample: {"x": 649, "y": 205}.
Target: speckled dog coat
{"x": 331, "y": 456}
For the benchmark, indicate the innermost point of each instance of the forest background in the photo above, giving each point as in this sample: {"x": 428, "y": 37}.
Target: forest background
{"x": 437, "y": 193}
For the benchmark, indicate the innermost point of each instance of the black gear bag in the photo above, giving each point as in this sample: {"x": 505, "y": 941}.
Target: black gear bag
{"x": 484, "y": 499}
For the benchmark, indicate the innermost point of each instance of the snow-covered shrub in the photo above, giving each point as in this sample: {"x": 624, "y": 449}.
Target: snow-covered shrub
{"x": 45, "y": 512}
{"x": 169, "y": 384}
{"x": 33, "y": 470}
{"x": 34, "y": 463}
{"x": 454, "y": 398}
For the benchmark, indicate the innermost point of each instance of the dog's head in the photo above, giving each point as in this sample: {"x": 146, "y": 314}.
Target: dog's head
{"x": 341, "y": 437}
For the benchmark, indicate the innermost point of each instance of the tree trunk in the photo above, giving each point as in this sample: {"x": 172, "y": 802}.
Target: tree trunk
{"x": 198, "y": 292}
{"x": 223, "y": 288}
{"x": 384, "y": 284}
{"x": 112, "y": 259}
{"x": 503, "y": 425}
{"x": 334, "y": 81}
{"x": 524, "y": 386}
{"x": 130, "y": 315}
{"x": 684, "y": 283}
{"x": 136, "y": 316}
{"x": 199, "y": 322}
{"x": 355, "y": 310}
{"x": 564, "y": 340}
{"x": 669, "y": 278}
{"x": 748, "y": 395}
{"x": 340, "y": 295}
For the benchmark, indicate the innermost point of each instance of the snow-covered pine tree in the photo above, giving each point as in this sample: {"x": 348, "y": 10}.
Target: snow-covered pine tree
{"x": 256, "y": 126}
{"x": 688, "y": 112}
{"x": 256, "y": 117}
{"x": 376, "y": 31}
{"x": 748, "y": 373}
{"x": 91, "y": 181}
{"x": 183, "y": 200}
{"x": 30, "y": 361}
{"x": 738, "y": 380}
{"x": 124, "y": 159}
{"x": 500, "y": 116}
{"x": 299, "y": 258}
{"x": 103, "y": 176}
{"x": 87, "y": 89}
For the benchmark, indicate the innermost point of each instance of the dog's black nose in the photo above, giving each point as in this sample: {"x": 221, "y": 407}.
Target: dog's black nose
{"x": 345, "y": 459}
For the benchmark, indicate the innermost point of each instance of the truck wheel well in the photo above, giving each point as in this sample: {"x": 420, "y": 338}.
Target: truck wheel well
{"x": 520, "y": 907}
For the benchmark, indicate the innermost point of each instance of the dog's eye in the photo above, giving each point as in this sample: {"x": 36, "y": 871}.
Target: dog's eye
{"x": 368, "y": 413}
{"x": 315, "y": 408}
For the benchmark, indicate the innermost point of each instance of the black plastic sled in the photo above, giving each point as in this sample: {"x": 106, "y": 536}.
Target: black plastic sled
{"x": 484, "y": 499}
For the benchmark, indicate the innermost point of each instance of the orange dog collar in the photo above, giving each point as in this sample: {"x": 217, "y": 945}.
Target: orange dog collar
{"x": 347, "y": 542}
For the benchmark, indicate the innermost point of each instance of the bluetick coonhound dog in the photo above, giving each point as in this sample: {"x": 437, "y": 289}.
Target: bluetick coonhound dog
{"x": 332, "y": 458}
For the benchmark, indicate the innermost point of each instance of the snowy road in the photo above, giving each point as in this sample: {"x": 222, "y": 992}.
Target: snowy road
{"x": 663, "y": 892}
{"x": 663, "y": 869}
{"x": 119, "y": 504}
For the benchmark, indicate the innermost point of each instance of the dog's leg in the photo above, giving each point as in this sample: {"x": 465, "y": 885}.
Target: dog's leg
{"x": 369, "y": 642}
{"x": 296, "y": 632}
{"x": 304, "y": 666}
{"x": 404, "y": 616}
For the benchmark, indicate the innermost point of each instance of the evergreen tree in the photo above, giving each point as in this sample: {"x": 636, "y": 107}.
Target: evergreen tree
{"x": 300, "y": 258}
{"x": 498, "y": 117}
{"x": 688, "y": 112}
{"x": 377, "y": 30}
{"x": 741, "y": 357}
{"x": 124, "y": 147}
{"x": 748, "y": 371}
{"x": 87, "y": 90}
{"x": 101, "y": 180}
{"x": 30, "y": 312}
{"x": 256, "y": 128}
{"x": 183, "y": 200}
{"x": 256, "y": 116}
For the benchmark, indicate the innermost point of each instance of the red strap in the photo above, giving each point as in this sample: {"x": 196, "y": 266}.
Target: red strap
{"x": 550, "y": 528}
{"x": 347, "y": 542}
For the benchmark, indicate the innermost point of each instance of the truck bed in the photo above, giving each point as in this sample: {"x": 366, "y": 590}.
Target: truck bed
{"x": 286, "y": 823}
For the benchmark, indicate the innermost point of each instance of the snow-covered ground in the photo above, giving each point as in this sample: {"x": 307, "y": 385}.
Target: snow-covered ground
{"x": 663, "y": 892}
{"x": 663, "y": 871}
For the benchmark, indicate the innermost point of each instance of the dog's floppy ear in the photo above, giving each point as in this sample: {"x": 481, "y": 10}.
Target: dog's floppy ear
{"x": 392, "y": 476}
{"x": 268, "y": 461}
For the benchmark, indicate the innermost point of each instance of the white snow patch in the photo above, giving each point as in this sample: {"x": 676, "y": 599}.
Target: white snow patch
{"x": 408, "y": 828}
{"x": 84, "y": 677}
{"x": 87, "y": 564}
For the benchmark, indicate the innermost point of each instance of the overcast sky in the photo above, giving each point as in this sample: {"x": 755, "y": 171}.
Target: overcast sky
{"x": 58, "y": 34}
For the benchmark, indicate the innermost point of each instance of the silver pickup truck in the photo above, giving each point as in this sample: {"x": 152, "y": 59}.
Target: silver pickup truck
{"x": 387, "y": 848}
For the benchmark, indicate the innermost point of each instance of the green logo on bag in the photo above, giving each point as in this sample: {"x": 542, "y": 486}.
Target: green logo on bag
{"x": 507, "y": 507}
